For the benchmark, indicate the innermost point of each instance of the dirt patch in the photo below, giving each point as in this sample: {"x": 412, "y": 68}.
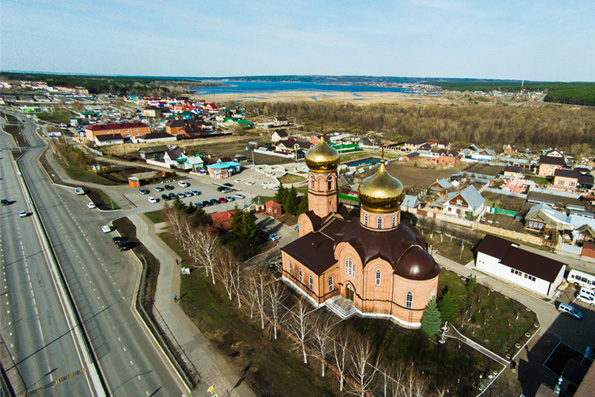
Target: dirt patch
{"x": 485, "y": 169}
{"x": 417, "y": 176}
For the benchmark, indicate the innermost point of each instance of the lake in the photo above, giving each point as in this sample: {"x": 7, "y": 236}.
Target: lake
{"x": 254, "y": 87}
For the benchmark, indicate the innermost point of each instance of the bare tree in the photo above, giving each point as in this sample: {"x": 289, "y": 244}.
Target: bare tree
{"x": 275, "y": 292}
{"x": 321, "y": 336}
{"x": 207, "y": 247}
{"x": 341, "y": 356}
{"x": 363, "y": 368}
{"x": 226, "y": 270}
{"x": 299, "y": 324}
{"x": 261, "y": 281}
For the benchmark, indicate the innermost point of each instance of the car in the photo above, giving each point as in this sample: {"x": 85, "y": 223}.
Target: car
{"x": 229, "y": 198}
{"x": 164, "y": 197}
{"x": 183, "y": 184}
{"x": 198, "y": 204}
{"x": 227, "y": 184}
{"x": 196, "y": 192}
{"x": 181, "y": 195}
{"x": 250, "y": 183}
{"x": 238, "y": 195}
{"x": 275, "y": 188}
{"x": 172, "y": 196}
{"x": 215, "y": 201}
{"x": 188, "y": 194}
{"x": 158, "y": 189}
{"x": 152, "y": 200}
{"x": 222, "y": 200}
{"x": 79, "y": 190}
{"x": 169, "y": 187}
{"x": 117, "y": 239}
{"x": 143, "y": 191}
{"x": 91, "y": 205}
{"x": 123, "y": 245}
{"x": 23, "y": 214}
{"x": 106, "y": 228}
{"x": 567, "y": 309}
{"x": 586, "y": 298}
{"x": 238, "y": 180}
{"x": 221, "y": 188}
{"x": 4, "y": 202}
{"x": 227, "y": 190}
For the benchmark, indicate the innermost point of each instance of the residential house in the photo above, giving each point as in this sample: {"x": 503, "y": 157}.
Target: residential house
{"x": 513, "y": 171}
{"x": 446, "y": 157}
{"x": 565, "y": 179}
{"x": 507, "y": 261}
{"x": 414, "y": 144}
{"x": 174, "y": 157}
{"x": 156, "y": 137}
{"x": 127, "y": 130}
{"x": 410, "y": 202}
{"x": 410, "y": 156}
{"x": 152, "y": 111}
{"x": 280, "y": 121}
{"x": 440, "y": 185}
{"x": 292, "y": 146}
{"x": 476, "y": 153}
{"x": 109, "y": 139}
{"x": 193, "y": 163}
{"x": 549, "y": 164}
{"x": 465, "y": 203}
{"x": 545, "y": 220}
{"x": 279, "y": 135}
{"x": 222, "y": 220}
{"x": 509, "y": 148}
{"x": 150, "y": 152}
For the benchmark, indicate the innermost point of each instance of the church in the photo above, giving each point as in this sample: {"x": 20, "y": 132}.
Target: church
{"x": 373, "y": 265}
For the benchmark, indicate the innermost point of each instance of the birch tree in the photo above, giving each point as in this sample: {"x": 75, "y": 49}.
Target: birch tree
{"x": 363, "y": 368}
{"x": 275, "y": 292}
{"x": 341, "y": 355}
{"x": 321, "y": 336}
{"x": 299, "y": 324}
{"x": 207, "y": 246}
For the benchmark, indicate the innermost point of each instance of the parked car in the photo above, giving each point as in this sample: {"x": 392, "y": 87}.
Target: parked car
{"x": 4, "y": 202}
{"x": 188, "y": 194}
{"x": 169, "y": 187}
{"x": 227, "y": 184}
{"x": 229, "y": 198}
{"x": 116, "y": 239}
{"x": 152, "y": 200}
{"x": 79, "y": 190}
{"x": 172, "y": 196}
{"x": 91, "y": 205}
{"x": 158, "y": 189}
{"x": 567, "y": 309}
{"x": 143, "y": 191}
{"x": 181, "y": 195}
{"x": 238, "y": 195}
{"x": 215, "y": 201}
{"x": 221, "y": 188}
{"x": 23, "y": 214}
{"x": 222, "y": 200}
{"x": 183, "y": 184}
{"x": 198, "y": 204}
{"x": 206, "y": 203}
{"x": 123, "y": 245}
{"x": 250, "y": 183}
{"x": 586, "y": 298}
{"x": 227, "y": 190}
{"x": 106, "y": 228}
{"x": 196, "y": 192}
{"x": 165, "y": 197}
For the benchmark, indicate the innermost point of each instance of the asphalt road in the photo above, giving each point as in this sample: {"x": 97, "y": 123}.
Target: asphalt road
{"x": 42, "y": 353}
{"x": 102, "y": 281}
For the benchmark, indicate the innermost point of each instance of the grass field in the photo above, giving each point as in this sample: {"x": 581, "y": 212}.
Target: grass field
{"x": 290, "y": 178}
{"x": 58, "y": 116}
{"x": 155, "y": 216}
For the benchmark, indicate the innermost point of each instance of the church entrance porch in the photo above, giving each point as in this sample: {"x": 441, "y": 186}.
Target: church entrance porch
{"x": 342, "y": 307}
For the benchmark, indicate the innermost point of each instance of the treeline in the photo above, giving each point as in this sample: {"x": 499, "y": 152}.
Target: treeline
{"x": 576, "y": 95}
{"x": 491, "y": 126}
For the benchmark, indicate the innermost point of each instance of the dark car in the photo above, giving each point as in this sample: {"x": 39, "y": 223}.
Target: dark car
{"x": 158, "y": 189}
{"x": 214, "y": 201}
{"x": 4, "y": 202}
{"x": 221, "y": 188}
{"x": 143, "y": 191}
{"x": 123, "y": 245}
{"x": 165, "y": 197}
{"x": 227, "y": 184}
{"x": 169, "y": 187}
{"x": 171, "y": 196}
{"x": 117, "y": 239}
{"x": 196, "y": 192}
{"x": 206, "y": 203}
{"x": 198, "y": 204}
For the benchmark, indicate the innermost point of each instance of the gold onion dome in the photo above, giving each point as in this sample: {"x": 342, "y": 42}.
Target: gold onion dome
{"x": 322, "y": 157}
{"x": 381, "y": 192}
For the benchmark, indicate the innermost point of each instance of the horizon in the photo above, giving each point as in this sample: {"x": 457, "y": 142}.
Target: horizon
{"x": 532, "y": 41}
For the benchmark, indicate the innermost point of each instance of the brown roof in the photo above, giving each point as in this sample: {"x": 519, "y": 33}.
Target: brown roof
{"x": 567, "y": 173}
{"x": 104, "y": 127}
{"x": 512, "y": 256}
{"x": 400, "y": 247}
{"x": 109, "y": 137}
{"x": 551, "y": 160}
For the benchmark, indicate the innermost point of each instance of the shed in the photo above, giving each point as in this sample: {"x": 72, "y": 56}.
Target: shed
{"x": 133, "y": 181}
{"x": 273, "y": 208}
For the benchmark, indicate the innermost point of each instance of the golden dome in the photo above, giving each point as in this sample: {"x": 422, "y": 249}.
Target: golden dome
{"x": 322, "y": 158}
{"x": 381, "y": 192}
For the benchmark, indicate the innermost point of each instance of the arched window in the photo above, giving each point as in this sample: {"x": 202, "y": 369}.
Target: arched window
{"x": 312, "y": 181}
{"x": 366, "y": 219}
{"x": 349, "y": 267}
{"x": 300, "y": 274}
{"x": 330, "y": 183}
{"x": 331, "y": 287}
{"x": 409, "y": 301}
{"x": 379, "y": 221}
{"x": 290, "y": 267}
{"x": 310, "y": 283}
{"x": 378, "y": 277}
{"x": 394, "y": 220}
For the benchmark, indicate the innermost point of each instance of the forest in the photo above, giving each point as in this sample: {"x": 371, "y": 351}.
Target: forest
{"x": 486, "y": 125}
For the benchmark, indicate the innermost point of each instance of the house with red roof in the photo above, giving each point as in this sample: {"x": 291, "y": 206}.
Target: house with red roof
{"x": 127, "y": 130}
{"x": 273, "y": 208}
{"x": 222, "y": 220}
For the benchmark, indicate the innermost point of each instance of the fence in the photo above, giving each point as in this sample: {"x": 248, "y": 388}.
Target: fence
{"x": 508, "y": 233}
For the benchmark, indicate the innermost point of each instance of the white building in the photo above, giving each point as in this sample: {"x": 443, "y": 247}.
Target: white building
{"x": 505, "y": 260}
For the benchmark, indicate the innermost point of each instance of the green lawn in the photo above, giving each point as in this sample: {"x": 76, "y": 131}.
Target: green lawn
{"x": 447, "y": 247}
{"x": 155, "y": 216}
{"x": 58, "y": 116}
{"x": 290, "y": 178}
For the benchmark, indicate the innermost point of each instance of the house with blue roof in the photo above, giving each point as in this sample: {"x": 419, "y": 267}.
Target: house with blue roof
{"x": 467, "y": 203}
{"x": 221, "y": 170}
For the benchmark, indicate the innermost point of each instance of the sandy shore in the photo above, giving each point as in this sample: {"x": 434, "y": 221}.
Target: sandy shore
{"x": 362, "y": 98}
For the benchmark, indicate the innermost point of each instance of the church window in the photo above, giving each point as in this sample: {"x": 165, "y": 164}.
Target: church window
{"x": 312, "y": 181}
{"x": 379, "y": 222}
{"x": 432, "y": 294}
{"x": 290, "y": 267}
{"x": 330, "y": 183}
{"x": 366, "y": 219}
{"x": 310, "y": 282}
{"x": 378, "y": 277}
{"x": 349, "y": 267}
{"x": 331, "y": 287}
{"x": 394, "y": 220}
{"x": 300, "y": 274}
{"x": 409, "y": 300}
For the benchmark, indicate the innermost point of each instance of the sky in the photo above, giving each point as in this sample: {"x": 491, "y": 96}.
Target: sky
{"x": 543, "y": 40}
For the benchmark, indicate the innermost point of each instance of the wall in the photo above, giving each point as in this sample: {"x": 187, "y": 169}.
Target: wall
{"x": 514, "y": 235}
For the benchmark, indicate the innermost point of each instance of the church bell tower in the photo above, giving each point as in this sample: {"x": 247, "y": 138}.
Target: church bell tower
{"x": 322, "y": 161}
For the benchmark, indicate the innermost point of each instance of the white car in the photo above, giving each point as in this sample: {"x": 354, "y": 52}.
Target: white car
{"x": 91, "y": 205}
{"x": 152, "y": 200}
{"x": 79, "y": 190}
{"x": 238, "y": 180}
{"x": 23, "y": 214}
{"x": 183, "y": 184}
{"x": 250, "y": 183}
{"x": 238, "y": 195}
{"x": 106, "y": 228}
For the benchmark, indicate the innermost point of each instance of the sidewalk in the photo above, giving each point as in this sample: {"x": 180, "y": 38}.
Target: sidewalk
{"x": 212, "y": 367}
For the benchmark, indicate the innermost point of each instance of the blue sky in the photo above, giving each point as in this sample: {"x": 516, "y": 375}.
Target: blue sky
{"x": 532, "y": 40}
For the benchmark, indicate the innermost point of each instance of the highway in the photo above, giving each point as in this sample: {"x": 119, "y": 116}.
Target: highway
{"x": 41, "y": 351}
{"x": 102, "y": 281}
